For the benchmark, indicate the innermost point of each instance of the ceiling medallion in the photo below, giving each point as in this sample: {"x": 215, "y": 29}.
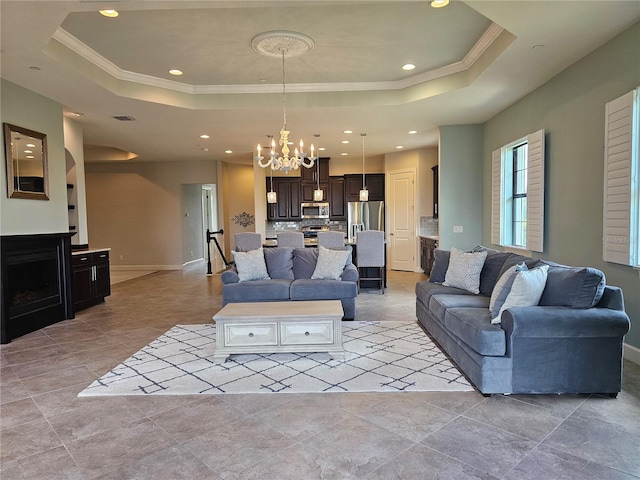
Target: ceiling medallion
{"x": 272, "y": 44}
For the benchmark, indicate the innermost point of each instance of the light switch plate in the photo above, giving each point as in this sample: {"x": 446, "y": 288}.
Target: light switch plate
{"x": 458, "y": 229}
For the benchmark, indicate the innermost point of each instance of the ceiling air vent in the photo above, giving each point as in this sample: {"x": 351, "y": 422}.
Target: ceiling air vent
{"x": 124, "y": 118}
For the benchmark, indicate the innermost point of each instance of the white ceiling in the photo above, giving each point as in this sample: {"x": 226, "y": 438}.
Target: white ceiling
{"x": 473, "y": 59}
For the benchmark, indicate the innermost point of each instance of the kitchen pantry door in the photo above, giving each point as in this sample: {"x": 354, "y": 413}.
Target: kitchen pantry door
{"x": 402, "y": 232}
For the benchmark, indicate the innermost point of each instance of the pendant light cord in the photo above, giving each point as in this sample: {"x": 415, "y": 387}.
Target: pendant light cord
{"x": 363, "y": 135}
{"x": 284, "y": 103}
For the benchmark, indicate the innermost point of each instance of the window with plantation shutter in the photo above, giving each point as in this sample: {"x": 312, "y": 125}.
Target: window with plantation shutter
{"x": 517, "y": 193}
{"x": 621, "y": 234}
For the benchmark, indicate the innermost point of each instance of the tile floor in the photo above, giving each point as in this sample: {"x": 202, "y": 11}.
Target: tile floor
{"x": 49, "y": 433}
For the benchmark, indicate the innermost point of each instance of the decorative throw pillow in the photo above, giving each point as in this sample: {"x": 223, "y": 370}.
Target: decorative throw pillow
{"x": 251, "y": 265}
{"x": 503, "y": 288}
{"x": 464, "y": 270}
{"x": 330, "y": 264}
{"x": 526, "y": 290}
{"x": 440, "y": 265}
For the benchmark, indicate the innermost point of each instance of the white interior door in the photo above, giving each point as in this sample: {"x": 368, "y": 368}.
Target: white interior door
{"x": 401, "y": 207}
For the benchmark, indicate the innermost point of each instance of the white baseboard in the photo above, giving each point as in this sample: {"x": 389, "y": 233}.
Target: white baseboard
{"x": 193, "y": 263}
{"x": 144, "y": 267}
{"x": 632, "y": 353}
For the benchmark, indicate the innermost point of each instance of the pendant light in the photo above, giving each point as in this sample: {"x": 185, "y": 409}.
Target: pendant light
{"x": 318, "y": 195}
{"x": 364, "y": 193}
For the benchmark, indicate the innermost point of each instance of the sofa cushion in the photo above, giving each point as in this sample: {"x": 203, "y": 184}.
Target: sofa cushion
{"x": 515, "y": 259}
{"x": 425, "y": 290}
{"x": 439, "y": 304}
{"x": 279, "y": 262}
{"x": 573, "y": 287}
{"x": 304, "y": 262}
{"x": 473, "y": 327}
{"x": 491, "y": 269}
{"x": 464, "y": 270}
{"x": 526, "y": 290}
{"x": 257, "y": 291}
{"x": 251, "y": 265}
{"x": 307, "y": 289}
{"x": 440, "y": 265}
{"x": 330, "y": 264}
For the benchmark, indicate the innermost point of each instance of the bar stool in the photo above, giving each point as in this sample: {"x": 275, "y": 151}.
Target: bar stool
{"x": 330, "y": 239}
{"x": 248, "y": 241}
{"x": 291, "y": 239}
{"x": 370, "y": 253}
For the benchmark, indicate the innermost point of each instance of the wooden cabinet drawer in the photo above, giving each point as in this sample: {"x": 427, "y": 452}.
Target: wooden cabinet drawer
{"x": 306, "y": 333}
{"x": 252, "y": 334}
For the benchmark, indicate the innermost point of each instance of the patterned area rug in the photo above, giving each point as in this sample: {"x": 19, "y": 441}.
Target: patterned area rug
{"x": 380, "y": 357}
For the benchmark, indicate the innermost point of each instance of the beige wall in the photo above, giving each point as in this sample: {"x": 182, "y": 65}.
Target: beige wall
{"x": 135, "y": 208}
{"x": 18, "y": 216}
{"x": 238, "y": 192}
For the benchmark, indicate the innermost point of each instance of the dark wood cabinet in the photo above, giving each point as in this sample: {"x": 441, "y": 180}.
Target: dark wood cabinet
{"x": 310, "y": 175}
{"x": 427, "y": 254}
{"x": 288, "y": 196}
{"x": 307, "y": 190}
{"x": 435, "y": 191}
{"x": 373, "y": 181}
{"x": 91, "y": 279}
{"x": 309, "y": 180}
{"x": 337, "y": 203}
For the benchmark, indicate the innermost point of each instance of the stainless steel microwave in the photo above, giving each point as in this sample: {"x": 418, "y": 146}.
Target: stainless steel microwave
{"x": 315, "y": 210}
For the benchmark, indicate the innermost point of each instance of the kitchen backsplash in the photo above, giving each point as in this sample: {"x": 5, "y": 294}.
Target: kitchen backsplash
{"x": 429, "y": 226}
{"x": 272, "y": 228}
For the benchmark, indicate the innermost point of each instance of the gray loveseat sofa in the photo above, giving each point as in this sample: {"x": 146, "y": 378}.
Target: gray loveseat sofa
{"x": 290, "y": 271}
{"x": 571, "y": 342}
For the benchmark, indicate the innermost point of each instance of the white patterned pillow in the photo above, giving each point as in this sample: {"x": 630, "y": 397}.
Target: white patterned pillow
{"x": 251, "y": 265}
{"x": 526, "y": 290}
{"x": 464, "y": 270}
{"x": 330, "y": 263}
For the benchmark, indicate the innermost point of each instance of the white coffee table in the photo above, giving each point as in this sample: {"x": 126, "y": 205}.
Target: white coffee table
{"x": 279, "y": 327}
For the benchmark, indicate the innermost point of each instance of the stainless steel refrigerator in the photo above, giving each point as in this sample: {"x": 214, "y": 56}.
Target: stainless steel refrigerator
{"x": 365, "y": 216}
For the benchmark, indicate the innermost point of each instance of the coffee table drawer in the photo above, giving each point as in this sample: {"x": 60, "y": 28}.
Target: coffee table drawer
{"x": 236, "y": 335}
{"x": 317, "y": 333}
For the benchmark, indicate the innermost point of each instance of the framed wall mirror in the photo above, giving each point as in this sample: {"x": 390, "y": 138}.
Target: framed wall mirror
{"x": 26, "y": 158}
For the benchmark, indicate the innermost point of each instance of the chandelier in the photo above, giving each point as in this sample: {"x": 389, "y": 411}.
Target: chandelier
{"x": 284, "y": 44}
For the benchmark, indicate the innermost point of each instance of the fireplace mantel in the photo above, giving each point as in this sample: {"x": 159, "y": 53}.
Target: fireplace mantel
{"x": 35, "y": 285}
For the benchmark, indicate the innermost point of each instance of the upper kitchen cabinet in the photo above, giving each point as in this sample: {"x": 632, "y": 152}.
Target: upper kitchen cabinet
{"x": 309, "y": 178}
{"x": 288, "y": 199}
{"x": 373, "y": 181}
{"x": 337, "y": 203}
{"x": 320, "y": 168}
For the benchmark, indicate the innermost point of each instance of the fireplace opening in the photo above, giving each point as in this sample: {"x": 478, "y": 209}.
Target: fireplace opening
{"x": 35, "y": 281}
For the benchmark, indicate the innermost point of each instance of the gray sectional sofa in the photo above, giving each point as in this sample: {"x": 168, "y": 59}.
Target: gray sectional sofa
{"x": 290, "y": 271}
{"x": 570, "y": 342}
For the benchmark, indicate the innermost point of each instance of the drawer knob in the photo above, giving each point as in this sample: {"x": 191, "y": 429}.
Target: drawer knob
{"x": 306, "y": 334}
{"x": 251, "y": 334}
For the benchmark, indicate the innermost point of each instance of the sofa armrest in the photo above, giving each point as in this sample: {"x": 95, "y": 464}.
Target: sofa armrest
{"x": 564, "y": 322}
{"x": 230, "y": 276}
{"x": 350, "y": 273}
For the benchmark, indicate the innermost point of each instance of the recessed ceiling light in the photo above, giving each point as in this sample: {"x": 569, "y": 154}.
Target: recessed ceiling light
{"x": 439, "y": 3}
{"x": 30, "y": 156}
{"x": 228, "y": 151}
{"x": 78, "y": 114}
{"x": 345, "y": 141}
{"x": 204, "y": 135}
{"x": 37, "y": 69}
{"x": 28, "y": 151}
{"x": 399, "y": 147}
{"x": 321, "y": 149}
{"x": 109, "y": 13}
{"x": 408, "y": 66}
{"x": 31, "y": 145}
{"x": 344, "y": 154}
{"x": 537, "y": 47}
{"x": 412, "y": 132}
{"x": 348, "y": 131}
{"x": 175, "y": 71}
